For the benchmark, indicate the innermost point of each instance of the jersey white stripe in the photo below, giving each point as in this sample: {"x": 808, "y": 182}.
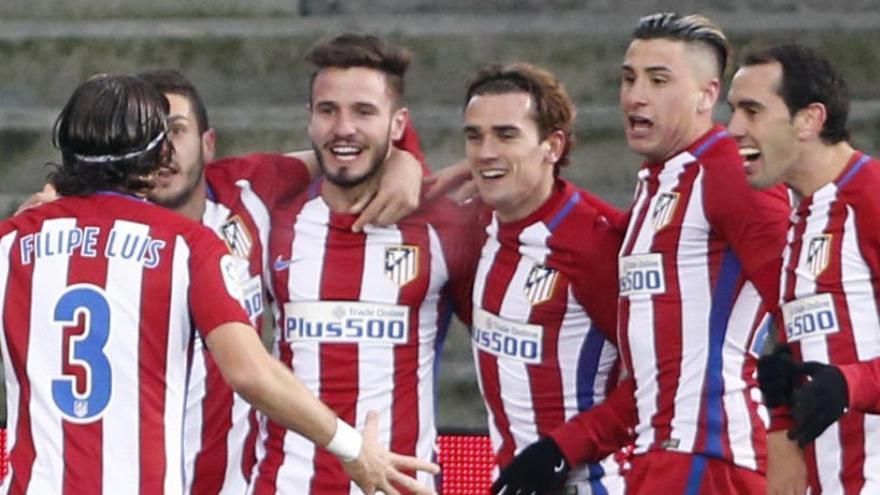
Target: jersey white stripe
{"x": 122, "y": 439}
{"x": 44, "y": 363}
{"x": 863, "y": 312}
{"x": 736, "y": 407}
{"x": 827, "y": 445}
{"x": 428, "y": 318}
{"x": 513, "y": 376}
{"x": 376, "y": 360}
{"x": 304, "y": 284}
{"x": 692, "y": 267}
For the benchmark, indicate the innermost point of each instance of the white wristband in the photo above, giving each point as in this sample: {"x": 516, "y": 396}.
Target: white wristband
{"x": 346, "y": 442}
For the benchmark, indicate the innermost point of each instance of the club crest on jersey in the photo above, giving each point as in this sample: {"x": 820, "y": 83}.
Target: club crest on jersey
{"x": 237, "y": 237}
{"x": 80, "y": 408}
{"x": 540, "y": 284}
{"x": 664, "y": 209}
{"x": 818, "y": 253}
{"x": 401, "y": 263}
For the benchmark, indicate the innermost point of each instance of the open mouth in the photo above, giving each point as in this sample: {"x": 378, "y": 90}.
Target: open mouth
{"x": 166, "y": 172}
{"x": 345, "y": 152}
{"x": 492, "y": 173}
{"x": 638, "y": 123}
{"x": 750, "y": 154}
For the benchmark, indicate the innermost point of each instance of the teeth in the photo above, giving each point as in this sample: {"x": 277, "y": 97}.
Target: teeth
{"x": 750, "y": 154}
{"x": 491, "y": 174}
{"x": 345, "y": 150}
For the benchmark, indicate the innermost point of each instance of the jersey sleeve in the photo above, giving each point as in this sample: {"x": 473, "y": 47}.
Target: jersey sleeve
{"x": 215, "y": 291}
{"x": 409, "y": 142}
{"x": 274, "y": 178}
{"x": 599, "y": 431}
{"x": 596, "y": 281}
{"x": 615, "y": 216}
{"x": 863, "y": 385}
{"x": 462, "y": 241}
{"x": 754, "y": 223}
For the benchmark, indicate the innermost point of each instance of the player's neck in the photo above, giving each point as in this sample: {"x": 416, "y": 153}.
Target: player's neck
{"x": 821, "y": 163}
{"x": 340, "y": 199}
{"x": 194, "y": 207}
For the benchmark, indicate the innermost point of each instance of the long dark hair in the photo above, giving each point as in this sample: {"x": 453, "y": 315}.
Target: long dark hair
{"x": 111, "y": 134}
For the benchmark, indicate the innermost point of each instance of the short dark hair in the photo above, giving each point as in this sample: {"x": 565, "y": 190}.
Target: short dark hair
{"x": 362, "y": 50}
{"x": 172, "y": 81}
{"x": 111, "y": 134}
{"x": 693, "y": 28}
{"x": 554, "y": 110}
{"x": 808, "y": 77}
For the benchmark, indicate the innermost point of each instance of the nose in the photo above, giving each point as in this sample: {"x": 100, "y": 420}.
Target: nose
{"x": 486, "y": 150}
{"x": 344, "y": 125}
{"x": 736, "y": 127}
{"x": 633, "y": 94}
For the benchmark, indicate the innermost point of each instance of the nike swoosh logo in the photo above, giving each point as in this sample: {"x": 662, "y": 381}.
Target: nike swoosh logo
{"x": 560, "y": 467}
{"x": 281, "y": 264}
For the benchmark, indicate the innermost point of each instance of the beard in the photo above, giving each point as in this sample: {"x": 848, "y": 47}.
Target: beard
{"x": 342, "y": 178}
{"x": 182, "y": 197}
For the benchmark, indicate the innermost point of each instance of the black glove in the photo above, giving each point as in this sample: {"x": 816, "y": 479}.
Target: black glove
{"x": 818, "y": 403}
{"x": 539, "y": 468}
{"x": 778, "y": 375}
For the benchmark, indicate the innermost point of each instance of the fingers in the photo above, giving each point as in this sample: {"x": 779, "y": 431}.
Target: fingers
{"x": 46, "y": 195}
{"x": 369, "y": 214}
{"x": 447, "y": 178}
{"x": 371, "y": 425}
{"x": 408, "y": 463}
{"x": 363, "y": 201}
{"x": 466, "y": 192}
{"x": 812, "y": 367}
{"x": 409, "y": 484}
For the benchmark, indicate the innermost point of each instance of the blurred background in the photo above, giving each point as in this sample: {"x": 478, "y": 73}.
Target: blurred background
{"x": 245, "y": 56}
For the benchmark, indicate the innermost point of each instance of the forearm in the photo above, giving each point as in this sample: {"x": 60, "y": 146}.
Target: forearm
{"x": 268, "y": 385}
{"x": 285, "y": 399}
{"x": 594, "y": 434}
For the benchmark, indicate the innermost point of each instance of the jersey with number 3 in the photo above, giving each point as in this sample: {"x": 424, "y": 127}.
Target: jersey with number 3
{"x": 100, "y": 295}
{"x": 543, "y": 333}
{"x": 691, "y": 318}
{"x": 360, "y": 316}
{"x": 831, "y": 298}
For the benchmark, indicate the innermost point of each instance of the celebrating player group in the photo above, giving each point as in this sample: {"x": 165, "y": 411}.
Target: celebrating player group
{"x": 720, "y": 336}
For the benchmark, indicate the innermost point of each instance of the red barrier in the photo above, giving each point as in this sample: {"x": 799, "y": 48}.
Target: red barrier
{"x": 466, "y": 461}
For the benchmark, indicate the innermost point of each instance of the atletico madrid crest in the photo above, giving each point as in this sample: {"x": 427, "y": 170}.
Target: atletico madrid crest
{"x": 401, "y": 263}
{"x": 237, "y": 238}
{"x": 818, "y": 253}
{"x": 664, "y": 209}
{"x": 540, "y": 284}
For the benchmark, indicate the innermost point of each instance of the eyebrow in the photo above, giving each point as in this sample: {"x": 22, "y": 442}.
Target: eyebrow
{"x": 650, "y": 68}
{"x": 746, "y": 103}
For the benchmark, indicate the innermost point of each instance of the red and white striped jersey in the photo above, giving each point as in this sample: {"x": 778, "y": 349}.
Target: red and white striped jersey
{"x": 99, "y": 297}
{"x": 359, "y": 319}
{"x": 699, "y": 248}
{"x": 831, "y": 311}
{"x": 544, "y": 321}
{"x": 220, "y": 430}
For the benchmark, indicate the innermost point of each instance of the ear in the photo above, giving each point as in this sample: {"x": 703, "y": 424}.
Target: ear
{"x": 209, "y": 145}
{"x": 810, "y": 120}
{"x": 709, "y": 92}
{"x": 554, "y": 146}
{"x": 398, "y": 122}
